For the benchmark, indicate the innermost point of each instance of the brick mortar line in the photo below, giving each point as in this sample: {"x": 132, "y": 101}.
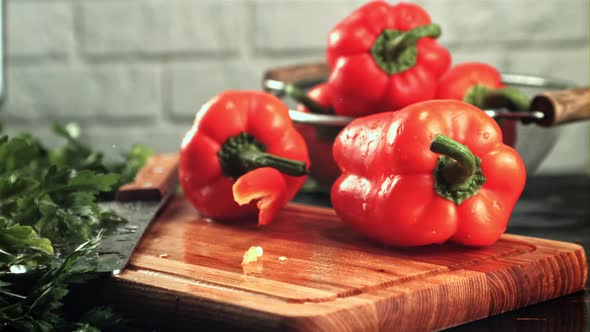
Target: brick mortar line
{"x": 85, "y": 127}
{"x": 14, "y": 120}
{"x": 567, "y": 44}
{"x": 159, "y": 57}
{"x": 258, "y": 54}
{"x": 160, "y": 114}
{"x": 36, "y": 60}
{"x": 77, "y": 26}
{"x": 122, "y": 122}
{"x": 166, "y": 92}
{"x": 245, "y": 52}
{"x": 268, "y": 54}
{"x": 246, "y": 49}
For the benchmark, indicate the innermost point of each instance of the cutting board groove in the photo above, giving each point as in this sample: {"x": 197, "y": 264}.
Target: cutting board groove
{"x": 189, "y": 268}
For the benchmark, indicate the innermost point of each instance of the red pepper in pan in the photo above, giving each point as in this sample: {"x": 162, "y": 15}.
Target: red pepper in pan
{"x": 481, "y": 85}
{"x": 242, "y": 155}
{"x": 319, "y": 139}
{"x": 432, "y": 172}
{"x": 384, "y": 57}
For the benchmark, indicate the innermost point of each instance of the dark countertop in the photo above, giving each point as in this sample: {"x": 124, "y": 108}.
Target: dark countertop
{"x": 552, "y": 207}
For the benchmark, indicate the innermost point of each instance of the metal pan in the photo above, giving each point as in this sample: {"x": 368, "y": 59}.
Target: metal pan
{"x": 534, "y": 142}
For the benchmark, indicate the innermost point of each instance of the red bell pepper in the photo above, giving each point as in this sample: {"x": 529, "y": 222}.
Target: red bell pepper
{"x": 432, "y": 172}
{"x": 384, "y": 57}
{"x": 481, "y": 85}
{"x": 241, "y": 155}
{"x": 317, "y": 100}
{"x": 319, "y": 139}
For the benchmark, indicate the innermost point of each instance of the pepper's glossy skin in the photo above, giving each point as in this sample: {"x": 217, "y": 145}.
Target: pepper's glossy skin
{"x": 460, "y": 79}
{"x": 201, "y": 175}
{"x": 386, "y": 190}
{"x": 360, "y": 86}
{"x": 320, "y": 139}
{"x": 456, "y": 83}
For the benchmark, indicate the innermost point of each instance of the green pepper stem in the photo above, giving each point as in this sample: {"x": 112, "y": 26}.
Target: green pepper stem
{"x": 509, "y": 97}
{"x": 243, "y": 153}
{"x": 458, "y": 171}
{"x": 253, "y": 158}
{"x": 300, "y": 96}
{"x": 395, "y": 51}
{"x": 410, "y": 38}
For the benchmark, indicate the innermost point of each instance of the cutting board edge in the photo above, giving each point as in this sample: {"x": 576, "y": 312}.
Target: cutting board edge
{"x": 169, "y": 301}
{"x": 169, "y": 298}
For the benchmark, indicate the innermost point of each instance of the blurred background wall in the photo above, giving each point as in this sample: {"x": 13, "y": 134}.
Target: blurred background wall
{"x": 136, "y": 71}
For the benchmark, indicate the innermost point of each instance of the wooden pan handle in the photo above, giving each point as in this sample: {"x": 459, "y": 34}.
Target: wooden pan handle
{"x": 154, "y": 181}
{"x": 562, "y": 106}
{"x": 298, "y": 73}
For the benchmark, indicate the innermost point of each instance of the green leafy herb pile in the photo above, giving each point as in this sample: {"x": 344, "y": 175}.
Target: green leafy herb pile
{"x": 50, "y": 221}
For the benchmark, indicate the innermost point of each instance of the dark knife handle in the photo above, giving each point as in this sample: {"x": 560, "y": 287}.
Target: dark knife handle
{"x": 154, "y": 181}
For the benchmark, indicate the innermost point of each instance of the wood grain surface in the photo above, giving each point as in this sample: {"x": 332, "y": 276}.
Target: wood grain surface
{"x": 318, "y": 275}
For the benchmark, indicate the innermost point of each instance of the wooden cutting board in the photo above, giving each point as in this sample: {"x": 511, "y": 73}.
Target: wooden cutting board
{"x": 187, "y": 270}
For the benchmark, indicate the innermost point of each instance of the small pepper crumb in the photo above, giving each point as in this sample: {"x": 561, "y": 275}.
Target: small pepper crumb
{"x": 282, "y": 258}
{"x": 252, "y": 255}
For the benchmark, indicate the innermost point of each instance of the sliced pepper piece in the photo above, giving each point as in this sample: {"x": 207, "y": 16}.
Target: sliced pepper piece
{"x": 432, "y": 172}
{"x": 242, "y": 155}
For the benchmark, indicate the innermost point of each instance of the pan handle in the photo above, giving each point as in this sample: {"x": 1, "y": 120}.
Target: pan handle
{"x": 562, "y": 106}
{"x": 154, "y": 181}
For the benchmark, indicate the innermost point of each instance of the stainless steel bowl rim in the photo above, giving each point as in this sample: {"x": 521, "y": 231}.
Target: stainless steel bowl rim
{"x": 512, "y": 79}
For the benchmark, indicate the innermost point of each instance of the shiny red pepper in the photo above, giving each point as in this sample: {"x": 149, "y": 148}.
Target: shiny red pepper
{"x": 319, "y": 139}
{"x": 432, "y": 172}
{"x": 458, "y": 82}
{"x": 481, "y": 85}
{"x": 384, "y": 57}
{"x": 242, "y": 155}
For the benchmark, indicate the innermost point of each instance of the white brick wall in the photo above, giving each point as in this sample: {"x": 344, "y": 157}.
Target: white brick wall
{"x": 296, "y": 25}
{"x": 518, "y": 21}
{"x": 137, "y": 70}
{"x": 108, "y": 93}
{"x": 39, "y": 28}
{"x": 161, "y": 26}
{"x": 190, "y": 85}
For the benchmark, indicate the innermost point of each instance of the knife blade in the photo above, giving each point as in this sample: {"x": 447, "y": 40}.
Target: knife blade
{"x": 139, "y": 203}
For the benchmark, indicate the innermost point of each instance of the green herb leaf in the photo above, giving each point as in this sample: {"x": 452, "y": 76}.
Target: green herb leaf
{"x": 50, "y": 221}
{"x": 40, "y": 309}
{"x": 19, "y": 242}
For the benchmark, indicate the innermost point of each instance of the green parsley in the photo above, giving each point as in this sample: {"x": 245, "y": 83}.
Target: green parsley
{"x": 50, "y": 221}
